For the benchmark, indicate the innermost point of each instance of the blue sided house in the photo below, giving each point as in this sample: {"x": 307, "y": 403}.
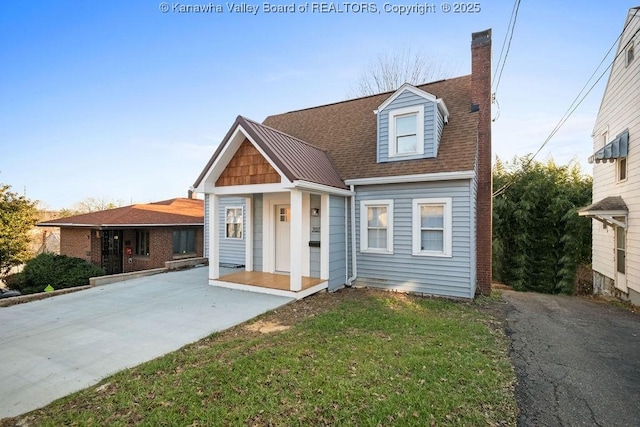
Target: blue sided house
{"x": 390, "y": 191}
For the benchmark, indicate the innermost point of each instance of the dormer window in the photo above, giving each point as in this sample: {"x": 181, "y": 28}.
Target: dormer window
{"x": 406, "y": 131}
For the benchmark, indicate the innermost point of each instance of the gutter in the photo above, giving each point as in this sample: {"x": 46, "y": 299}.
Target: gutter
{"x": 354, "y": 266}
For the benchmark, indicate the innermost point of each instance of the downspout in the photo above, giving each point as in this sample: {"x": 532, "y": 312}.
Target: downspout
{"x": 346, "y": 239}
{"x": 354, "y": 266}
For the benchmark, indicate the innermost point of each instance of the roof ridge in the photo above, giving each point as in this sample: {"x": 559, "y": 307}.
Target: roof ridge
{"x": 367, "y": 96}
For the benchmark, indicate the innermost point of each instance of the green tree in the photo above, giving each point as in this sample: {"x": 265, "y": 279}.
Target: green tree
{"x": 538, "y": 237}
{"x": 18, "y": 216}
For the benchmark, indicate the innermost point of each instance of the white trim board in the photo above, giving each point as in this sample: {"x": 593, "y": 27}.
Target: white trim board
{"x": 399, "y": 179}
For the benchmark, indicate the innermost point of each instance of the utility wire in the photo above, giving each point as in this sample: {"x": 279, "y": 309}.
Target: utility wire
{"x": 577, "y": 101}
{"x": 506, "y": 43}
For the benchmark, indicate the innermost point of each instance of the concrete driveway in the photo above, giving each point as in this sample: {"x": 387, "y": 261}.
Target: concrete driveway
{"x": 577, "y": 361}
{"x": 52, "y": 347}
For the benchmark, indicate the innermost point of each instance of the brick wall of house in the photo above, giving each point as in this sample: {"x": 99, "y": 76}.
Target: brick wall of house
{"x": 76, "y": 242}
{"x": 160, "y": 248}
{"x": 96, "y": 248}
{"x": 481, "y": 96}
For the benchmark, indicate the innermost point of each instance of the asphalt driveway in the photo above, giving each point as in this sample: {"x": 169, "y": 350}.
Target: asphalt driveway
{"x": 52, "y": 347}
{"x": 577, "y": 361}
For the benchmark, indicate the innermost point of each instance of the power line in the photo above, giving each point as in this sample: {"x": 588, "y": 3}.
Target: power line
{"x": 507, "y": 43}
{"x": 577, "y": 100}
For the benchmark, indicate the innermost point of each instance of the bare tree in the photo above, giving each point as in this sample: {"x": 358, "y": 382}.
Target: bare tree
{"x": 90, "y": 204}
{"x": 389, "y": 71}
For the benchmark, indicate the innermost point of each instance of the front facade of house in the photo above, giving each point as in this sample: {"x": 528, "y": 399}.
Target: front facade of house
{"x": 381, "y": 191}
{"x": 134, "y": 238}
{"x": 616, "y": 179}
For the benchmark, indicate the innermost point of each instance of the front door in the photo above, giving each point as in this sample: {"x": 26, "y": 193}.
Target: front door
{"x": 621, "y": 258}
{"x": 283, "y": 238}
{"x": 112, "y": 251}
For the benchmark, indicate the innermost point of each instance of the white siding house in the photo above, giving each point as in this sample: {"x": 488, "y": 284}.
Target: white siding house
{"x": 616, "y": 173}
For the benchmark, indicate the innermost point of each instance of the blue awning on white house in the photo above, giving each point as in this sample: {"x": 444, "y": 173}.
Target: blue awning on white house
{"x": 616, "y": 149}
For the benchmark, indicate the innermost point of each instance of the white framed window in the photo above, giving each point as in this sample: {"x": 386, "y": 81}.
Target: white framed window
{"x": 406, "y": 131}
{"x": 376, "y": 226}
{"x": 432, "y": 227}
{"x": 233, "y": 222}
{"x": 630, "y": 53}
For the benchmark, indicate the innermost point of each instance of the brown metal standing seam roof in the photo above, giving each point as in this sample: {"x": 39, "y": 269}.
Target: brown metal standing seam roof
{"x": 297, "y": 159}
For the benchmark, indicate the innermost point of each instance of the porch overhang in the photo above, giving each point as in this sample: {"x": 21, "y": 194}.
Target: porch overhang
{"x": 611, "y": 211}
{"x": 616, "y": 149}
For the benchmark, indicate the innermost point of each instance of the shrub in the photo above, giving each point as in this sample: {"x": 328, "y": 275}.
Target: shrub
{"x": 59, "y": 271}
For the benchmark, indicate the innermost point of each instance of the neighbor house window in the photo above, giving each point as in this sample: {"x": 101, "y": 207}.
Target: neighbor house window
{"x": 432, "y": 227}
{"x": 406, "y": 131}
{"x": 233, "y": 223}
{"x": 621, "y": 169}
{"x": 630, "y": 53}
{"x": 376, "y": 226}
{"x": 621, "y": 246}
{"x": 184, "y": 242}
{"x": 142, "y": 243}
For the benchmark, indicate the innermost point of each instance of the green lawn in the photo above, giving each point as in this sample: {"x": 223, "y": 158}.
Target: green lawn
{"x": 354, "y": 357}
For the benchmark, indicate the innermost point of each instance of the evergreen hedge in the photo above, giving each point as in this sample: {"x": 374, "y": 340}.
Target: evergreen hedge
{"x": 538, "y": 238}
{"x": 59, "y": 271}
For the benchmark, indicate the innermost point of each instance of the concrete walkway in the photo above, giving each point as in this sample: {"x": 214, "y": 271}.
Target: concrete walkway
{"x": 59, "y": 345}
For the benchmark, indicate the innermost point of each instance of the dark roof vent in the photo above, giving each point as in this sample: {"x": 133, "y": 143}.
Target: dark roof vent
{"x": 474, "y": 108}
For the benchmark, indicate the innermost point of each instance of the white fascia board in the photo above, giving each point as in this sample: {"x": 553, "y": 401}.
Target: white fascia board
{"x": 312, "y": 186}
{"x": 252, "y": 188}
{"x": 419, "y": 92}
{"x": 603, "y": 213}
{"x": 425, "y": 177}
{"x": 443, "y": 109}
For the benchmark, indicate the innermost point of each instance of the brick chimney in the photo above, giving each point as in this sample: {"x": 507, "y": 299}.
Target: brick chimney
{"x": 481, "y": 102}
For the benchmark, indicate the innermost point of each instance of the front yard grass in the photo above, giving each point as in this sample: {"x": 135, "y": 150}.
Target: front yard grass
{"x": 355, "y": 357}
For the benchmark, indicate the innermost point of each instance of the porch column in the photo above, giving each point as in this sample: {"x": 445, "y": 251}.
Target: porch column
{"x": 296, "y": 237}
{"x": 306, "y": 233}
{"x": 324, "y": 236}
{"x": 214, "y": 238}
{"x": 248, "y": 235}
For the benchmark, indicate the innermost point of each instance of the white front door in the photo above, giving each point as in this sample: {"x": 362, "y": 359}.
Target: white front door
{"x": 283, "y": 238}
{"x": 621, "y": 264}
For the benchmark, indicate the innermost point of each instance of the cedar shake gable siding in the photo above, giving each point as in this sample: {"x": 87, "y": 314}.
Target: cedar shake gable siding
{"x": 247, "y": 167}
{"x": 347, "y": 131}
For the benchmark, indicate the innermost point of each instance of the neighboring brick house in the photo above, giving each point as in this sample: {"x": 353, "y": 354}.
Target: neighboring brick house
{"x": 391, "y": 190}
{"x": 136, "y": 237}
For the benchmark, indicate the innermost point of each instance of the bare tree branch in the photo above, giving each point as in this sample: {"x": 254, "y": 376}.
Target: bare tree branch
{"x": 389, "y": 71}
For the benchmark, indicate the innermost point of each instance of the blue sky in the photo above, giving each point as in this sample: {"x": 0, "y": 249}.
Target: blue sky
{"x": 119, "y": 101}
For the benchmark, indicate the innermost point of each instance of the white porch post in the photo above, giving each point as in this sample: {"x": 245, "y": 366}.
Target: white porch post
{"x": 248, "y": 236}
{"x": 324, "y": 236}
{"x": 306, "y": 233}
{"x": 214, "y": 238}
{"x": 295, "y": 274}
